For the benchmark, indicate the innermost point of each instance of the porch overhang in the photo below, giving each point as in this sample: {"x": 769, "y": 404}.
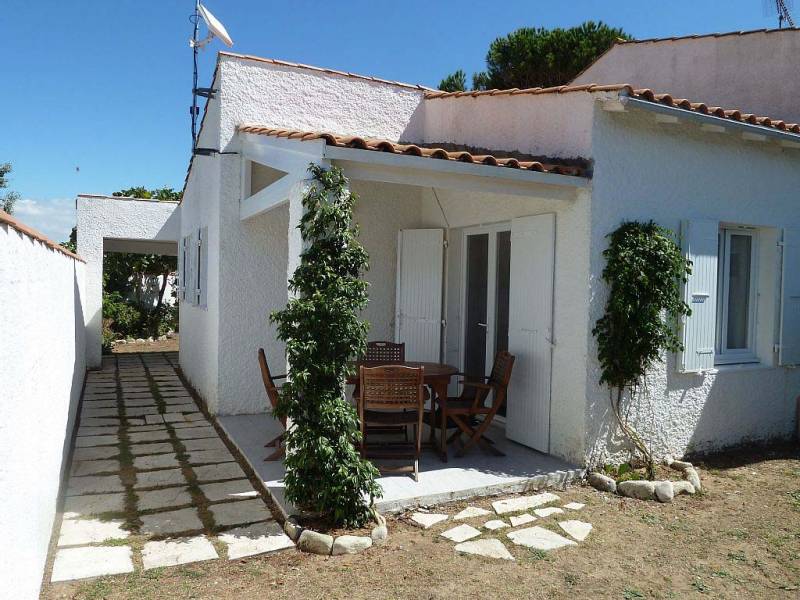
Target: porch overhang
{"x": 294, "y": 156}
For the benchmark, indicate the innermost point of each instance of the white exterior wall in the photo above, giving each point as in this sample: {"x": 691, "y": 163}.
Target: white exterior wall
{"x": 668, "y": 172}
{"x": 42, "y": 367}
{"x": 755, "y": 72}
{"x": 104, "y": 219}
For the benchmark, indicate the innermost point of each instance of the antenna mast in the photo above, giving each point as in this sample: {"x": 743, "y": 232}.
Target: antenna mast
{"x": 782, "y": 11}
{"x": 195, "y": 20}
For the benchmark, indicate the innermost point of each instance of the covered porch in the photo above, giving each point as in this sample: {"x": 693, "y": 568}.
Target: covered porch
{"x": 470, "y": 254}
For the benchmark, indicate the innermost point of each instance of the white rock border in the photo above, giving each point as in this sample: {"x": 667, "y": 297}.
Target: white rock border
{"x": 314, "y": 542}
{"x": 663, "y": 491}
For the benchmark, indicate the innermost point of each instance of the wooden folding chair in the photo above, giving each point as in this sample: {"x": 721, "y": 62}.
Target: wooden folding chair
{"x": 273, "y": 395}
{"x": 384, "y": 353}
{"x": 392, "y": 395}
{"x": 464, "y": 411}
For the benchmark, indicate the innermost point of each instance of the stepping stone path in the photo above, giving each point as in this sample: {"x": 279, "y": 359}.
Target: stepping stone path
{"x": 536, "y": 538}
{"x": 134, "y": 477}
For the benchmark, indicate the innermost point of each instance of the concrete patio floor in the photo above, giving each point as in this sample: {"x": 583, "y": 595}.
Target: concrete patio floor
{"x": 475, "y": 474}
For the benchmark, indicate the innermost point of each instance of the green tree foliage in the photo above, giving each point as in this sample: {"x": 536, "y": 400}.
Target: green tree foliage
{"x": 455, "y": 82}
{"x": 7, "y": 199}
{"x": 538, "y": 57}
{"x": 644, "y": 270}
{"x": 322, "y": 331}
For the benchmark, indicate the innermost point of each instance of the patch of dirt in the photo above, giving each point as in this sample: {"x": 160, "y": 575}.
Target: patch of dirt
{"x": 156, "y": 346}
{"x": 739, "y": 539}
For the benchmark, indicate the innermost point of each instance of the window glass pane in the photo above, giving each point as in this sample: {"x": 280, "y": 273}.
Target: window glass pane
{"x": 738, "y": 291}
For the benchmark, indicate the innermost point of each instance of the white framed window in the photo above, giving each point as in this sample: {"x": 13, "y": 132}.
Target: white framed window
{"x": 737, "y": 282}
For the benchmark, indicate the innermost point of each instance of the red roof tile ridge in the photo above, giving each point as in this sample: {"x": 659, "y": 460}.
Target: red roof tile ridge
{"x": 18, "y": 225}
{"x": 561, "y": 89}
{"x": 286, "y": 63}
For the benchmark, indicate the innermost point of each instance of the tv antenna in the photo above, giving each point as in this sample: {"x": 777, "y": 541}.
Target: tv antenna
{"x": 215, "y": 29}
{"x": 780, "y": 9}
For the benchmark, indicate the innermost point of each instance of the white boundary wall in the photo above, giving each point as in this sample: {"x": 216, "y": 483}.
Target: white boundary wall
{"x": 42, "y": 367}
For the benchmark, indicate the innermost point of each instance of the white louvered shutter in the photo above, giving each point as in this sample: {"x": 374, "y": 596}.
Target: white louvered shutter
{"x": 789, "y": 353}
{"x": 182, "y": 270}
{"x": 530, "y": 330}
{"x": 700, "y": 240}
{"x": 418, "y": 310}
{"x": 203, "y": 278}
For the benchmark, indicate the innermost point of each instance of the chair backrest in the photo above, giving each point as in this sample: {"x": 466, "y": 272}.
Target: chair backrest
{"x": 385, "y": 353}
{"x": 391, "y": 386}
{"x": 269, "y": 383}
{"x": 501, "y": 374}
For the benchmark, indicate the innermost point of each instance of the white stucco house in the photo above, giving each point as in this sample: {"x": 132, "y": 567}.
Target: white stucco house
{"x": 485, "y": 215}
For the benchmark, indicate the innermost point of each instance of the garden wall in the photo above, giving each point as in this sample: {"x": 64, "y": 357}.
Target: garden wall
{"x": 42, "y": 367}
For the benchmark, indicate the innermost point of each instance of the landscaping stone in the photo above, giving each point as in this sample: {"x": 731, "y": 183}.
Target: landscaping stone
{"x": 461, "y": 533}
{"x": 692, "y": 476}
{"x": 240, "y": 513}
{"x": 159, "y": 478}
{"x": 682, "y": 487}
{"x": 154, "y": 448}
{"x": 171, "y": 522}
{"x": 315, "y": 542}
{"x": 539, "y": 538}
{"x": 470, "y": 512}
{"x": 380, "y": 532}
{"x": 350, "y": 544}
{"x": 260, "y": 538}
{"x": 91, "y": 561}
{"x": 574, "y": 506}
{"x": 663, "y": 491}
{"x": 199, "y": 457}
{"x": 495, "y": 524}
{"x": 546, "y": 512}
{"x": 522, "y": 519}
{"x": 84, "y": 506}
{"x": 489, "y": 548}
{"x": 218, "y": 472}
{"x": 155, "y": 461}
{"x": 521, "y": 503}
{"x": 602, "y": 482}
{"x": 166, "y": 498}
{"x": 427, "y": 520}
{"x": 177, "y": 552}
{"x": 75, "y": 532}
{"x": 92, "y": 467}
{"x": 577, "y": 530}
{"x": 94, "y": 484}
{"x": 90, "y": 441}
{"x": 240, "y": 489}
{"x": 292, "y": 528}
{"x": 643, "y": 490}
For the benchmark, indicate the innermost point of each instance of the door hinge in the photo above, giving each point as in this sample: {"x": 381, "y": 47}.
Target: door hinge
{"x": 776, "y": 348}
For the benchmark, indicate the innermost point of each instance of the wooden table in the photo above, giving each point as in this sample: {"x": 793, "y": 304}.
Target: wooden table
{"x": 437, "y": 376}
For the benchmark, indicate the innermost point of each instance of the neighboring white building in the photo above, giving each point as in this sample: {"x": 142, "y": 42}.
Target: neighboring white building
{"x": 520, "y": 195}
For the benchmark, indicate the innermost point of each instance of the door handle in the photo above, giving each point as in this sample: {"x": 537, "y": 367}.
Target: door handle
{"x": 482, "y": 325}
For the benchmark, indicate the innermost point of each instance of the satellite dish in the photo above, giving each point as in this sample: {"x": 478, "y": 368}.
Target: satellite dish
{"x": 214, "y": 26}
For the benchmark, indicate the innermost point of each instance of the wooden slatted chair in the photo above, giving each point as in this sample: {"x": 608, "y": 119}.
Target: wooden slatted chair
{"x": 464, "y": 411}
{"x": 273, "y": 395}
{"x": 384, "y": 353}
{"x": 392, "y": 395}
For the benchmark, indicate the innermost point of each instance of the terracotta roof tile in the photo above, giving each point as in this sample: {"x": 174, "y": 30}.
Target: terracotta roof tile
{"x": 642, "y": 94}
{"x": 32, "y": 233}
{"x": 382, "y": 145}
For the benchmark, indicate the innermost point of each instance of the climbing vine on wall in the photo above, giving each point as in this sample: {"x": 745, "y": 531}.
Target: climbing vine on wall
{"x": 322, "y": 331}
{"x": 644, "y": 270}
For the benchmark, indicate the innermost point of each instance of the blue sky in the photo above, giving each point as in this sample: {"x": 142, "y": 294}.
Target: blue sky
{"x": 96, "y": 93}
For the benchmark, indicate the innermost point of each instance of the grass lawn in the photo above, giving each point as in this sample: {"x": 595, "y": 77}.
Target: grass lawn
{"x": 739, "y": 539}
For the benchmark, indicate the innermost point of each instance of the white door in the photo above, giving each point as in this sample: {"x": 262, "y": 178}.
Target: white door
{"x": 418, "y": 313}
{"x": 530, "y": 330}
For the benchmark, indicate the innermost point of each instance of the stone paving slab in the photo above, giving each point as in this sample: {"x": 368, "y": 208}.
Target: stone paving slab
{"x": 240, "y": 513}
{"x": 204, "y": 444}
{"x": 93, "y": 504}
{"x": 461, "y": 533}
{"x": 173, "y": 417}
{"x": 427, "y": 520}
{"x": 99, "y": 404}
{"x": 488, "y": 548}
{"x": 92, "y": 561}
{"x": 132, "y": 402}
{"x": 75, "y": 532}
{"x": 574, "y": 505}
{"x": 165, "y": 477}
{"x": 239, "y": 489}
{"x": 188, "y": 407}
{"x": 151, "y": 448}
{"x": 159, "y": 435}
{"x": 154, "y": 419}
{"x": 92, "y": 467}
{"x": 577, "y": 530}
{"x": 260, "y": 538}
{"x": 522, "y": 519}
{"x": 155, "y": 461}
{"x": 100, "y": 412}
{"x": 141, "y": 428}
{"x": 142, "y": 411}
{"x": 173, "y": 400}
{"x": 94, "y": 484}
{"x": 94, "y": 453}
{"x": 470, "y": 512}
{"x": 196, "y": 432}
{"x": 546, "y": 512}
{"x": 97, "y": 422}
{"x": 219, "y": 472}
{"x": 195, "y": 416}
{"x": 520, "y": 503}
{"x": 171, "y": 522}
{"x": 495, "y": 524}
{"x": 108, "y": 430}
{"x": 96, "y": 440}
{"x": 164, "y": 498}
{"x": 169, "y": 553}
{"x": 539, "y": 538}
{"x": 200, "y": 457}
{"x": 197, "y": 423}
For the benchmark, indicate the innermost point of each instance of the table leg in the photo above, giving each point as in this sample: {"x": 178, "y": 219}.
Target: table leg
{"x": 440, "y": 388}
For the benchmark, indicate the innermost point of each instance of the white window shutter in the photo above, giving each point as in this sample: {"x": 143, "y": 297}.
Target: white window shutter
{"x": 789, "y": 353}
{"x": 700, "y": 240}
{"x": 191, "y": 274}
{"x": 203, "y": 298}
{"x": 182, "y": 269}
{"x": 418, "y": 309}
